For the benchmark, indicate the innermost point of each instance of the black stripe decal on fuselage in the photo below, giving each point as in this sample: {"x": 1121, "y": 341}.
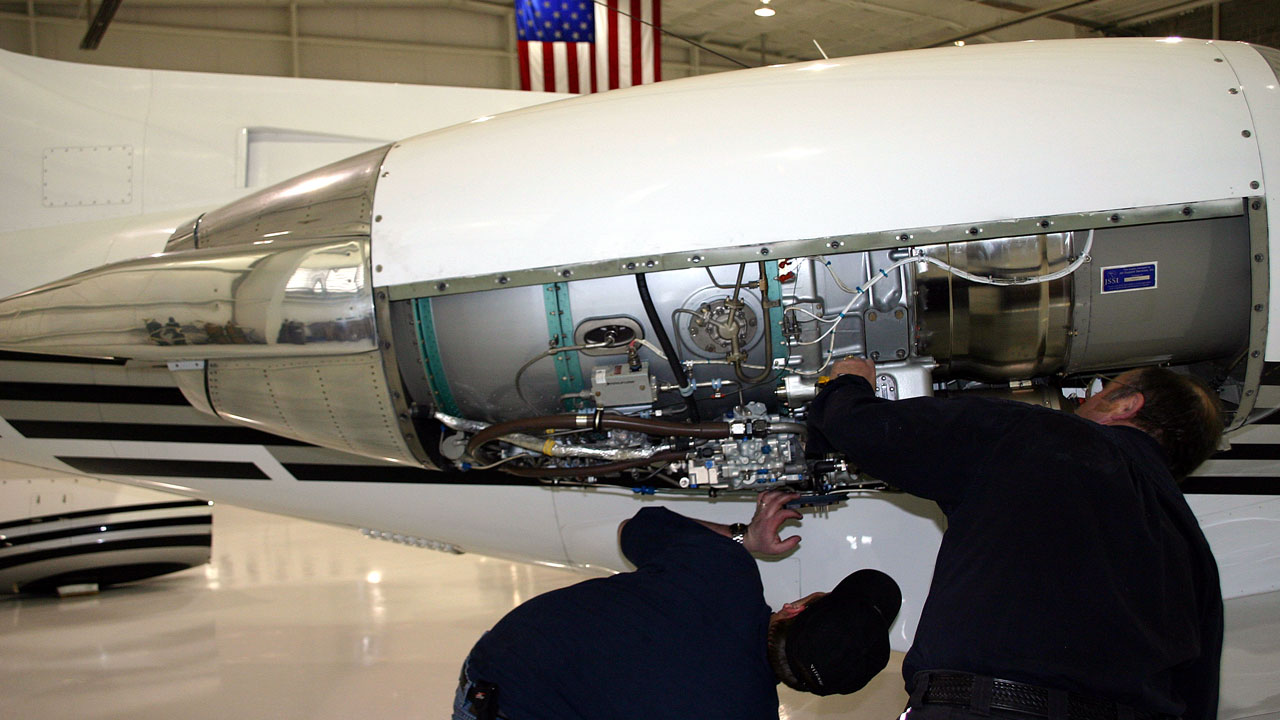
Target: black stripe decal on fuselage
{"x": 165, "y": 468}
{"x": 149, "y": 432}
{"x": 95, "y": 529}
{"x": 110, "y": 510}
{"x": 79, "y": 392}
{"x": 90, "y": 548}
{"x": 313, "y": 472}
{"x": 1229, "y": 485}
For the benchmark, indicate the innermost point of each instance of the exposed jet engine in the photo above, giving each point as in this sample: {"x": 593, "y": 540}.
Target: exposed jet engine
{"x": 425, "y": 303}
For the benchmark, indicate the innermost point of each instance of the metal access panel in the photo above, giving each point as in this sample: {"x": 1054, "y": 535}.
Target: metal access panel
{"x": 1169, "y": 292}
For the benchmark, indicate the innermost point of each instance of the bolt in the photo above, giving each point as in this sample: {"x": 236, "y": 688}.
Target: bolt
{"x": 871, "y": 317}
{"x": 897, "y": 314}
{"x": 442, "y": 286}
{"x": 649, "y": 263}
{"x": 833, "y": 244}
{"x": 974, "y": 231}
{"x": 1254, "y": 354}
{"x": 377, "y": 218}
{"x": 901, "y": 353}
{"x": 1248, "y": 393}
{"x": 377, "y": 268}
{"x": 764, "y": 251}
{"x": 1114, "y": 218}
{"x": 382, "y": 295}
{"x": 565, "y": 273}
{"x": 1258, "y": 307}
{"x": 385, "y": 174}
{"x": 695, "y": 259}
{"x": 386, "y": 345}
{"x": 1246, "y": 133}
{"x": 1186, "y": 211}
{"x": 631, "y": 266}
{"x": 1234, "y": 91}
{"x": 1045, "y": 223}
{"x": 1255, "y": 184}
{"x": 875, "y": 355}
{"x": 1217, "y": 59}
{"x": 1259, "y": 257}
{"x": 1257, "y": 205}
{"x": 503, "y": 280}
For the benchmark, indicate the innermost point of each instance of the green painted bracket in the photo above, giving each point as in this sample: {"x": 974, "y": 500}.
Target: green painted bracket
{"x": 774, "y": 295}
{"x": 429, "y": 350}
{"x": 555, "y": 297}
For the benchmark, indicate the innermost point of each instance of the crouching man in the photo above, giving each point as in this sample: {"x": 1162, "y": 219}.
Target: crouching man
{"x": 686, "y": 635}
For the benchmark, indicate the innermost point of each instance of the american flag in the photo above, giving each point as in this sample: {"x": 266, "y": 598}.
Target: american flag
{"x": 580, "y": 46}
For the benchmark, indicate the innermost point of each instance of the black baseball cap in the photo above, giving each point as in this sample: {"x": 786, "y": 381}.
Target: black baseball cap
{"x": 841, "y": 640}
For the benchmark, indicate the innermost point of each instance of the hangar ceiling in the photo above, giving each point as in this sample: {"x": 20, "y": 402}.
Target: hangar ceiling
{"x": 729, "y": 30}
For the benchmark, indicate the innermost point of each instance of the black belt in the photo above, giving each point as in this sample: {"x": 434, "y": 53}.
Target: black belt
{"x": 982, "y": 693}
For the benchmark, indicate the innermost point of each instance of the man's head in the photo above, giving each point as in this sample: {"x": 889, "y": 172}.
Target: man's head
{"x": 834, "y": 643}
{"x": 1179, "y": 411}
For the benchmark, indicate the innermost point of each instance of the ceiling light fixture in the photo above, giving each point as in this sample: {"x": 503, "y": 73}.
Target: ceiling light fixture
{"x": 764, "y": 10}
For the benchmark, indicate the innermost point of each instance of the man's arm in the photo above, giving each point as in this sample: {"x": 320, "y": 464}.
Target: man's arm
{"x": 762, "y": 534}
{"x": 925, "y": 446}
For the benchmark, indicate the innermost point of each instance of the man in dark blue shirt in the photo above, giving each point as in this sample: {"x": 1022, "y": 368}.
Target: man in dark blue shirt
{"x": 1073, "y": 581}
{"x": 686, "y": 636}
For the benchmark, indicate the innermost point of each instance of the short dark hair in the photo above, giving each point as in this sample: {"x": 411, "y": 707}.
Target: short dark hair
{"x": 1180, "y": 412}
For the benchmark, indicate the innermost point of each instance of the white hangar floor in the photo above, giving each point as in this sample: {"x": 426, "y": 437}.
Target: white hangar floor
{"x": 291, "y": 619}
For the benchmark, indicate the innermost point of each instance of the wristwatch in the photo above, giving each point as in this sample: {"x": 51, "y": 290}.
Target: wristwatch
{"x": 738, "y": 531}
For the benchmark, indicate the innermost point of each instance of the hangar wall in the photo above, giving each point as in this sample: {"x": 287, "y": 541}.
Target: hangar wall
{"x": 468, "y": 44}
{"x": 1255, "y": 21}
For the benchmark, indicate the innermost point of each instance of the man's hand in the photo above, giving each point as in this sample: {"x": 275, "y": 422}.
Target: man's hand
{"x": 771, "y": 511}
{"x": 855, "y": 366}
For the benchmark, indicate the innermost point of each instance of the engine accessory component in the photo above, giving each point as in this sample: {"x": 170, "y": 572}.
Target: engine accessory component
{"x": 618, "y": 385}
{"x": 715, "y": 326}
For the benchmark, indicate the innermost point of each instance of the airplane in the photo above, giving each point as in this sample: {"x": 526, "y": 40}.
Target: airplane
{"x": 506, "y": 335}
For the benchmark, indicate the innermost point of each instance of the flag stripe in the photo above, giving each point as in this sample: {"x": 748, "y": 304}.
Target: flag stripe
{"x": 549, "y": 67}
{"x": 615, "y": 45}
{"x": 524, "y": 66}
{"x": 637, "y": 43}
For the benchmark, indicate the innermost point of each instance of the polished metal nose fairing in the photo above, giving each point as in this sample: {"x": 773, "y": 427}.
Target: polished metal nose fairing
{"x": 271, "y": 295}
{"x": 266, "y": 300}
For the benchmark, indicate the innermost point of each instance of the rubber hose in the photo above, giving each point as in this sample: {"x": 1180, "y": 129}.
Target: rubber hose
{"x": 646, "y": 299}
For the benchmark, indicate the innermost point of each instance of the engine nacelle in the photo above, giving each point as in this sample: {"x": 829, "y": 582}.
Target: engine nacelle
{"x": 641, "y": 324}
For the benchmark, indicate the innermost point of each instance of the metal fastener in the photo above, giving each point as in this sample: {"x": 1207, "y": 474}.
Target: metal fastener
{"x": 1114, "y": 218}
{"x": 834, "y": 244}
{"x": 764, "y": 251}
{"x": 1259, "y": 257}
{"x": 377, "y": 218}
{"x": 1234, "y": 91}
{"x": 503, "y": 279}
{"x": 442, "y": 286}
{"x": 1246, "y": 133}
{"x": 1258, "y": 307}
{"x": 1255, "y": 184}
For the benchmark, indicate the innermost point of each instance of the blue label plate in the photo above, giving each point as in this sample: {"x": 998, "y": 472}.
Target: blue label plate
{"x": 1125, "y": 278}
